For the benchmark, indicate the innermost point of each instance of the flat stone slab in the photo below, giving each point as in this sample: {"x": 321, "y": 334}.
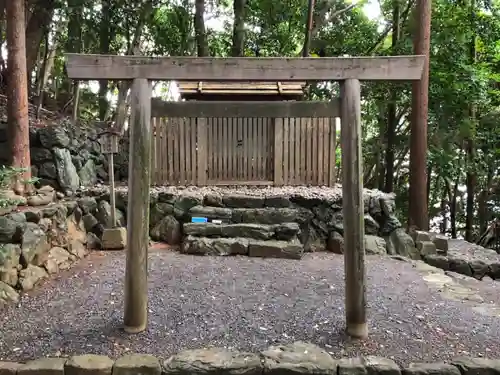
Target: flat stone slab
{"x": 284, "y": 231}
{"x": 472, "y": 260}
{"x": 214, "y": 246}
{"x": 276, "y": 249}
{"x": 242, "y": 246}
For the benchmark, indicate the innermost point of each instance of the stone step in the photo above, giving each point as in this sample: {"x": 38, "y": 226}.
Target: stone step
{"x": 268, "y": 215}
{"x": 242, "y": 246}
{"x": 281, "y": 232}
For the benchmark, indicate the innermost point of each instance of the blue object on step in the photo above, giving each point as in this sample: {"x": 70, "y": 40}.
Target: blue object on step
{"x": 199, "y": 220}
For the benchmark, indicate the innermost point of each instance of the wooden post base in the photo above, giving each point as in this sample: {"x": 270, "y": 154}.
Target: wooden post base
{"x": 357, "y": 331}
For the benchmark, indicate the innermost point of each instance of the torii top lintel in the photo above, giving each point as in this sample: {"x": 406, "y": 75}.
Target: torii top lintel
{"x": 112, "y": 67}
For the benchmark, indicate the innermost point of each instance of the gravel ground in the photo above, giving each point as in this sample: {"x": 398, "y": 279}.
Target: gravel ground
{"x": 249, "y": 304}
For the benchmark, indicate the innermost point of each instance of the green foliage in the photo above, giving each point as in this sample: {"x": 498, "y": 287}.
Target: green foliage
{"x": 7, "y": 174}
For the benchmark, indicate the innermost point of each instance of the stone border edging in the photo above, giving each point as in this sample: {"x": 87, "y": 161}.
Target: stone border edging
{"x": 291, "y": 359}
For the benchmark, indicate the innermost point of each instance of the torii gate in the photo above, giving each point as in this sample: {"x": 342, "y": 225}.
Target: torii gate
{"x": 347, "y": 70}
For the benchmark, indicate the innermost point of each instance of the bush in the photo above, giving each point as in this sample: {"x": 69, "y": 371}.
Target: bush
{"x": 7, "y": 174}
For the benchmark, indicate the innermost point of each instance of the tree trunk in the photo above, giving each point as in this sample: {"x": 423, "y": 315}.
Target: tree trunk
{"x": 105, "y": 42}
{"x": 238, "y": 47}
{"x": 309, "y": 25}
{"x": 199, "y": 29}
{"x": 134, "y": 49}
{"x": 470, "y": 148}
{"x": 483, "y": 202}
{"x": 453, "y": 210}
{"x": 18, "y": 122}
{"x": 418, "y": 215}
{"x": 444, "y": 223}
{"x": 36, "y": 28}
{"x": 428, "y": 187}
{"x": 392, "y": 108}
{"x": 74, "y": 44}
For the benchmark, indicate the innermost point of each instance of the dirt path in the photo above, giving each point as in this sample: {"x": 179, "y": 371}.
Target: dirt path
{"x": 250, "y": 303}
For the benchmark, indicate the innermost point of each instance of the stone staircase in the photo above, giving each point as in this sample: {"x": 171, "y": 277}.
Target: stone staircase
{"x": 271, "y": 232}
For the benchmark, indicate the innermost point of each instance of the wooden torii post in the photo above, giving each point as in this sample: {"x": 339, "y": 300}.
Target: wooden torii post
{"x": 347, "y": 70}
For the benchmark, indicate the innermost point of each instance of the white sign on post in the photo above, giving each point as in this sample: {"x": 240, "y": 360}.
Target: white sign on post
{"x": 109, "y": 143}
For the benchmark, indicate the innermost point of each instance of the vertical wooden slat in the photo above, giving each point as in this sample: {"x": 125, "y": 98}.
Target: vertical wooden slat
{"x": 194, "y": 153}
{"x": 187, "y": 147}
{"x": 322, "y": 134}
{"x": 202, "y": 140}
{"x": 182, "y": 150}
{"x": 160, "y": 145}
{"x": 177, "y": 155}
{"x": 285, "y": 144}
{"x": 265, "y": 148}
{"x": 353, "y": 208}
{"x": 252, "y": 147}
{"x": 309, "y": 146}
{"x": 278, "y": 156}
{"x": 246, "y": 149}
{"x": 153, "y": 151}
{"x": 260, "y": 169}
{"x": 222, "y": 146}
{"x": 226, "y": 135}
{"x": 314, "y": 156}
{"x": 239, "y": 153}
{"x": 166, "y": 137}
{"x": 299, "y": 155}
{"x": 331, "y": 149}
{"x": 303, "y": 166}
{"x": 292, "y": 151}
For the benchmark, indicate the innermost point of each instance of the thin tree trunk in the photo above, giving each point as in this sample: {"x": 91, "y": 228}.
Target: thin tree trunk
{"x": 36, "y": 28}
{"x": 199, "y": 29}
{"x": 444, "y": 222}
{"x": 309, "y": 25}
{"x": 418, "y": 215}
{"x": 123, "y": 87}
{"x": 105, "y": 41}
{"x": 238, "y": 47}
{"x": 428, "y": 187}
{"x": 74, "y": 44}
{"x": 483, "y": 202}
{"x": 18, "y": 122}
{"x": 380, "y": 170}
{"x": 470, "y": 148}
{"x": 392, "y": 106}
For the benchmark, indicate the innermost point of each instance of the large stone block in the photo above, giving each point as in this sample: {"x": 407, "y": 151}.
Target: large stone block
{"x": 369, "y": 365}
{"x": 114, "y": 239}
{"x": 477, "y": 366}
{"x": 43, "y": 366}
{"x": 88, "y": 364}
{"x": 212, "y": 361}
{"x": 442, "y": 244}
{"x": 438, "y": 368}
{"x": 137, "y": 364}
{"x": 214, "y": 246}
{"x": 276, "y": 249}
{"x": 298, "y": 358}
{"x": 9, "y": 368}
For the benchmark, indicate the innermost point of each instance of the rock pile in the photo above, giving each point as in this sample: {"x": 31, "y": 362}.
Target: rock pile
{"x": 315, "y": 214}
{"x": 67, "y": 157}
{"x": 38, "y": 241}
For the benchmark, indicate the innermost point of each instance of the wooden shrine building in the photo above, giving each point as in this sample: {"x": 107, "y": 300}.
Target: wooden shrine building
{"x": 247, "y": 133}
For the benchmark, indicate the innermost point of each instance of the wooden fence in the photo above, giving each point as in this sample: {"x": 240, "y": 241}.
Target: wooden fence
{"x": 244, "y": 150}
